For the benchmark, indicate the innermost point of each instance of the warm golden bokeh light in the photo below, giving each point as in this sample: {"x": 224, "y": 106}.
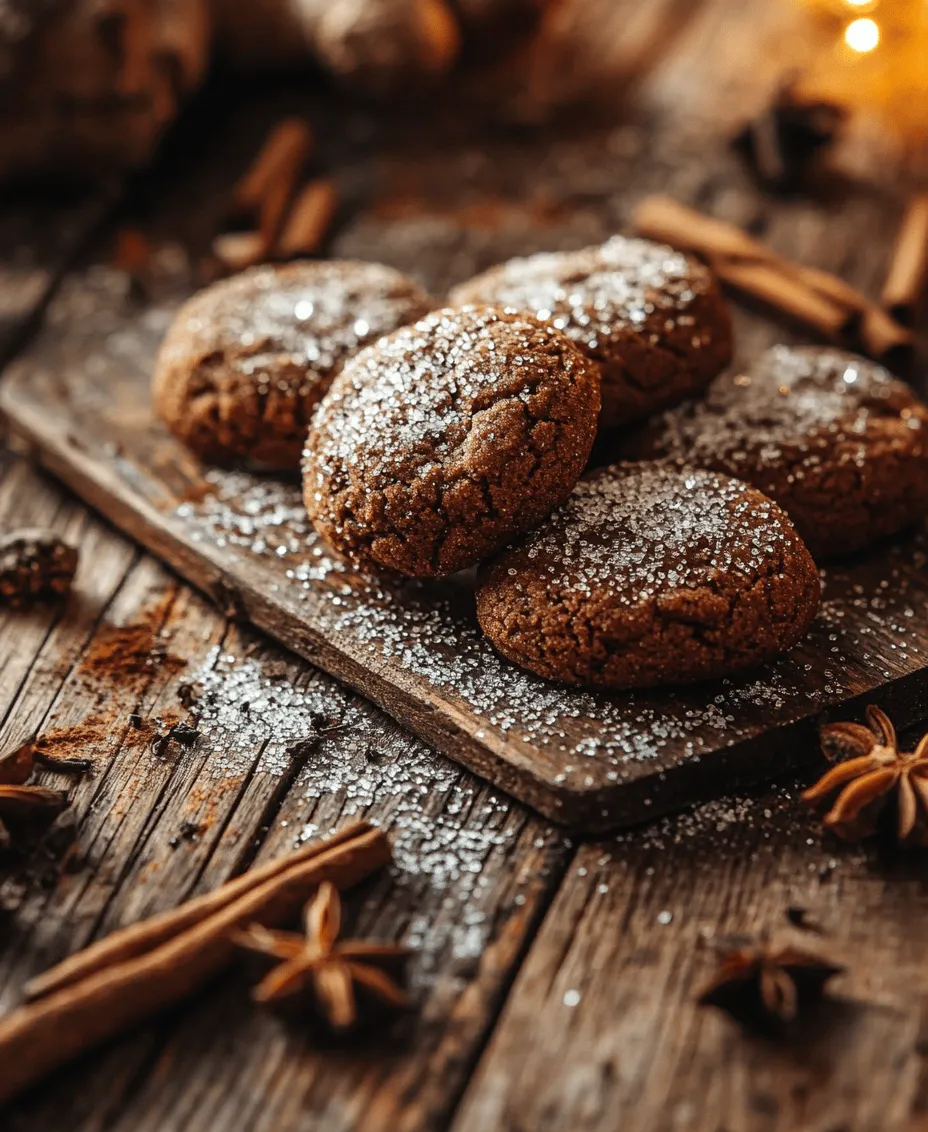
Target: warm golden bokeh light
{"x": 867, "y": 55}
{"x": 862, "y": 35}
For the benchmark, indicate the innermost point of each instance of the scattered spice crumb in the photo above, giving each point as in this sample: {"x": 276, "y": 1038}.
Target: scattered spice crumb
{"x": 124, "y": 652}
{"x": 35, "y": 565}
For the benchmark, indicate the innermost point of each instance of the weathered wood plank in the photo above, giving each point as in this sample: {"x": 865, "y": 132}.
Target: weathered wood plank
{"x": 38, "y": 240}
{"x": 472, "y": 877}
{"x": 602, "y": 1029}
{"x": 474, "y": 872}
{"x": 40, "y": 647}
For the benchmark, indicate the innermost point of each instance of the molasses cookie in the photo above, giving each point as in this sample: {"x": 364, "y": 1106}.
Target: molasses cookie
{"x": 648, "y": 575}
{"x": 833, "y": 438}
{"x": 444, "y": 439}
{"x": 246, "y": 361}
{"x": 652, "y": 318}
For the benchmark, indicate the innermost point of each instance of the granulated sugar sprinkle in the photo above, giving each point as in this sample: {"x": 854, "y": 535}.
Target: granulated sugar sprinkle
{"x": 443, "y": 825}
{"x": 593, "y": 293}
{"x": 657, "y": 531}
{"x": 431, "y": 633}
{"x": 794, "y": 408}
{"x": 455, "y": 362}
{"x": 317, "y": 314}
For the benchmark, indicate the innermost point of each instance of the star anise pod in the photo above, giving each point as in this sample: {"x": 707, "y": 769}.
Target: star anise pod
{"x": 20, "y": 804}
{"x": 331, "y": 970}
{"x": 783, "y": 144}
{"x": 768, "y": 987}
{"x": 874, "y": 771}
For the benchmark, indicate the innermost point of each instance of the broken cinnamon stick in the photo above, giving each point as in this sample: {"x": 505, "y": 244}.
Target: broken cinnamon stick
{"x": 280, "y": 159}
{"x": 907, "y": 278}
{"x": 44, "y": 1034}
{"x": 822, "y": 301}
{"x": 884, "y": 338}
{"x": 665, "y": 219}
{"x": 309, "y": 220}
{"x": 769, "y": 284}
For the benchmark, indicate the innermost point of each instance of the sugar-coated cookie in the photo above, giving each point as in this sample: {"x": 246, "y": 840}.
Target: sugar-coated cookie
{"x": 648, "y": 575}
{"x": 653, "y": 318}
{"x": 446, "y": 438}
{"x": 246, "y": 360}
{"x": 834, "y": 438}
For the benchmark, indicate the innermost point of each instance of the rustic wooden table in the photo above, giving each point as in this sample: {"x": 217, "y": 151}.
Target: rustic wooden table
{"x": 554, "y": 981}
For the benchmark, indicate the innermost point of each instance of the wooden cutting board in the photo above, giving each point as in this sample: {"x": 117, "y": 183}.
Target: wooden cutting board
{"x": 440, "y": 196}
{"x": 588, "y": 760}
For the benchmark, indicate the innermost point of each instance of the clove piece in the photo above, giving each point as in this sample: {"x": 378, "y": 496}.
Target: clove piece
{"x": 35, "y": 565}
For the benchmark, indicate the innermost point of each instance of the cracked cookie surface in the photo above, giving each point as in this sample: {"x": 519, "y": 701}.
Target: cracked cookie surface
{"x": 652, "y": 318}
{"x": 447, "y": 437}
{"x": 246, "y": 361}
{"x": 648, "y": 575}
{"x": 834, "y": 438}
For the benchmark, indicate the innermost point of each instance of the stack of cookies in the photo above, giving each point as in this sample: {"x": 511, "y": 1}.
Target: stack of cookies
{"x": 434, "y": 439}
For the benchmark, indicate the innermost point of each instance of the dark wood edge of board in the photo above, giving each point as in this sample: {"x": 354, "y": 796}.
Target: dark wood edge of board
{"x": 588, "y": 811}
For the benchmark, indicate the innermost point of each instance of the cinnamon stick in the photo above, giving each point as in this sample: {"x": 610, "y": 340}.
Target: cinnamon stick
{"x": 907, "y": 278}
{"x": 129, "y": 942}
{"x": 309, "y": 220}
{"x": 884, "y": 338}
{"x": 822, "y": 301}
{"x": 784, "y": 292}
{"x": 828, "y": 285}
{"x": 21, "y": 801}
{"x": 272, "y": 212}
{"x": 262, "y": 195}
{"x": 667, "y": 220}
{"x": 44, "y": 1034}
{"x": 280, "y": 159}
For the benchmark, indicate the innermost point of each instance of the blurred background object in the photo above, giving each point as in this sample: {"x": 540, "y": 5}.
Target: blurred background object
{"x": 878, "y": 59}
{"x": 87, "y": 87}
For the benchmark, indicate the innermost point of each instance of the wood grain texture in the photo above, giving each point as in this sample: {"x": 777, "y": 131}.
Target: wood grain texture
{"x": 591, "y": 761}
{"x": 475, "y": 873}
{"x": 159, "y": 821}
{"x": 38, "y": 240}
{"x": 602, "y": 1029}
